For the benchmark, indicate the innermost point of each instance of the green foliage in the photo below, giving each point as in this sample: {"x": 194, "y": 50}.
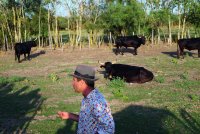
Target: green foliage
{"x": 62, "y": 22}
{"x": 118, "y": 86}
{"x": 187, "y": 84}
{"x": 119, "y": 18}
{"x": 54, "y": 77}
{"x": 194, "y": 16}
{"x": 160, "y": 79}
{"x": 16, "y": 79}
{"x": 184, "y": 76}
{"x": 174, "y": 61}
{"x": 3, "y": 80}
{"x": 12, "y": 79}
{"x": 194, "y": 97}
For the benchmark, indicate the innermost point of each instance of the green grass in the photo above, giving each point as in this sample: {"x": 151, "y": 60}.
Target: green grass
{"x": 168, "y": 104}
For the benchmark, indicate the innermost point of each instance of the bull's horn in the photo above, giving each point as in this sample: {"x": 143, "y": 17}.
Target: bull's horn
{"x": 35, "y": 39}
{"x": 100, "y": 63}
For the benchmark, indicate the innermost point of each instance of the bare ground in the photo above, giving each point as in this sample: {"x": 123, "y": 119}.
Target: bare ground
{"x": 45, "y": 61}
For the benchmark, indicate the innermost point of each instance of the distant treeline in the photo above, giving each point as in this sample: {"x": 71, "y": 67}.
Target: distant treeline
{"x": 95, "y": 22}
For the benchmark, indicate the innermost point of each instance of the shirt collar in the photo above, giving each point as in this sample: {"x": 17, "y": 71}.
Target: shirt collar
{"x": 90, "y": 94}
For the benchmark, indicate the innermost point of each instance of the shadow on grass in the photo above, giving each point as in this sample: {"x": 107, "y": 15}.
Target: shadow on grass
{"x": 174, "y": 54}
{"x": 124, "y": 50}
{"x": 146, "y": 120}
{"x": 37, "y": 54}
{"x": 34, "y": 55}
{"x": 149, "y": 120}
{"x": 190, "y": 122}
{"x": 70, "y": 128}
{"x": 17, "y": 108}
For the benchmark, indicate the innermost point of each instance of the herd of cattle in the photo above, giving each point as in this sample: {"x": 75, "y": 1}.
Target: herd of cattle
{"x": 131, "y": 74}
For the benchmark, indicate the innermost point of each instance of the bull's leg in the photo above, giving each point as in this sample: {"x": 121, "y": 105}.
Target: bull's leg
{"x": 199, "y": 53}
{"x": 24, "y": 56}
{"x": 18, "y": 57}
{"x": 122, "y": 53}
{"x": 117, "y": 50}
{"x": 182, "y": 53}
{"x": 29, "y": 56}
{"x": 135, "y": 51}
{"x": 178, "y": 53}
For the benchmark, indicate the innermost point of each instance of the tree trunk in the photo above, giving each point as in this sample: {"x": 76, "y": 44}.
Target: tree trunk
{"x": 179, "y": 21}
{"x": 77, "y": 32}
{"x": 158, "y": 35}
{"x": 49, "y": 30}
{"x": 39, "y": 23}
{"x": 14, "y": 25}
{"x": 170, "y": 32}
{"x": 183, "y": 29}
{"x": 152, "y": 37}
{"x": 80, "y": 25}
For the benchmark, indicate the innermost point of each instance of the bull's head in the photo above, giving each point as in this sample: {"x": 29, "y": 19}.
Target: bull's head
{"x": 108, "y": 67}
{"x": 142, "y": 39}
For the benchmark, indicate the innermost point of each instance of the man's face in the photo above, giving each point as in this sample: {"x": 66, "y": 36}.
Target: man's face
{"x": 76, "y": 85}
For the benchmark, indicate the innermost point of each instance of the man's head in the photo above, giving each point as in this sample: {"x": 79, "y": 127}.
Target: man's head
{"x": 83, "y": 76}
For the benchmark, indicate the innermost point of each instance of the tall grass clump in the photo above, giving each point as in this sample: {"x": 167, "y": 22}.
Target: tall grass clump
{"x": 184, "y": 76}
{"x": 15, "y": 79}
{"x": 54, "y": 77}
{"x": 160, "y": 79}
{"x": 3, "y": 81}
{"x": 12, "y": 79}
{"x": 117, "y": 87}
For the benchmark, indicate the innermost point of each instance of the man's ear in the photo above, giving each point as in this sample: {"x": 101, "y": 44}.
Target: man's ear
{"x": 83, "y": 82}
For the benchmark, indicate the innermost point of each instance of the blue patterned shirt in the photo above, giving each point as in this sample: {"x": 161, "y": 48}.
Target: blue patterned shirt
{"x": 95, "y": 115}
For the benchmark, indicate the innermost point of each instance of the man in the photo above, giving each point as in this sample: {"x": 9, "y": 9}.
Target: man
{"x": 95, "y": 114}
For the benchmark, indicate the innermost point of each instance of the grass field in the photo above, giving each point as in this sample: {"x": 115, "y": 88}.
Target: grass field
{"x": 32, "y": 92}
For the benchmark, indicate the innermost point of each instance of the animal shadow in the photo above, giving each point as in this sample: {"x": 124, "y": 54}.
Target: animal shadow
{"x": 174, "y": 54}
{"x": 124, "y": 50}
{"x": 37, "y": 54}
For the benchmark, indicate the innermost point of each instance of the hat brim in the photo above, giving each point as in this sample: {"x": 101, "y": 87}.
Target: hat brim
{"x": 80, "y": 77}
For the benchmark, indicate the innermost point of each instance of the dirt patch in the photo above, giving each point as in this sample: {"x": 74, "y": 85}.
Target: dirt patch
{"x": 46, "y": 61}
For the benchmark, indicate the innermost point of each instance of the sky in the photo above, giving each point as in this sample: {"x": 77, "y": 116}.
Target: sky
{"x": 62, "y": 11}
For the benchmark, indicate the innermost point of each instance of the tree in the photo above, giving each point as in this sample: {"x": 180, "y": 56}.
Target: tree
{"x": 193, "y": 16}
{"x": 124, "y": 17}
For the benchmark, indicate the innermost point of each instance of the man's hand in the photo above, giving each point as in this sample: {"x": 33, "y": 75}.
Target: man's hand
{"x": 63, "y": 115}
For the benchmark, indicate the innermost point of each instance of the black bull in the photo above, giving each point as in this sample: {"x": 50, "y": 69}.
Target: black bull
{"x": 24, "y": 48}
{"x": 189, "y": 44}
{"x": 129, "y": 41}
{"x": 131, "y": 74}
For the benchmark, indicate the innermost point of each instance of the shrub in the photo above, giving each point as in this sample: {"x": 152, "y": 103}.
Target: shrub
{"x": 160, "y": 79}
{"x": 117, "y": 86}
{"x": 53, "y": 77}
{"x": 184, "y": 76}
